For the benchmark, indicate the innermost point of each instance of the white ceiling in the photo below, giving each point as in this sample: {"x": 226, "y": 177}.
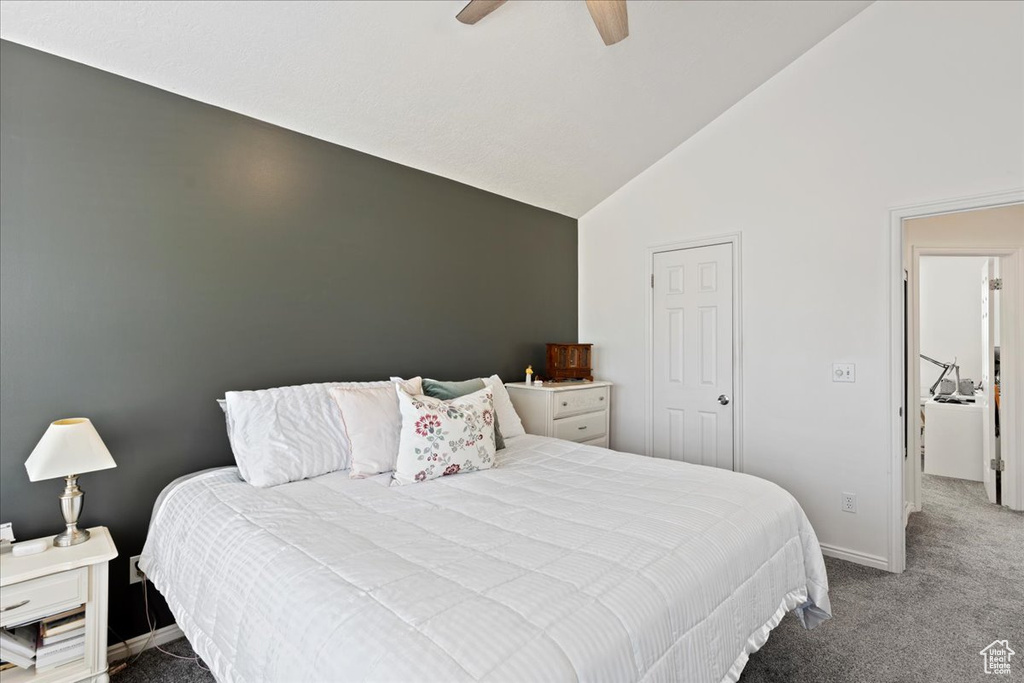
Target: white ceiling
{"x": 528, "y": 103}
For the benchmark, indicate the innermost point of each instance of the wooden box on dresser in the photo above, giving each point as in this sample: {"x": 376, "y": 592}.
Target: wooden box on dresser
{"x": 33, "y": 587}
{"x": 576, "y": 411}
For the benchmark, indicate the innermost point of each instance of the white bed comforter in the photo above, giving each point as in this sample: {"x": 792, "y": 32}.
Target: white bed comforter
{"x": 563, "y": 563}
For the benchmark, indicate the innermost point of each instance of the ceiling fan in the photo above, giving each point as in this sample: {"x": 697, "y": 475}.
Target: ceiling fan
{"x": 608, "y": 15}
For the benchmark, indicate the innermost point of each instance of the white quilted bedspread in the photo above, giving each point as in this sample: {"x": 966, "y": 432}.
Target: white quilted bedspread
{"x": 563, "y": 563}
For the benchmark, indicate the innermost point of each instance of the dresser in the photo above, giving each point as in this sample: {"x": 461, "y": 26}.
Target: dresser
{"x": 579, "y": 411}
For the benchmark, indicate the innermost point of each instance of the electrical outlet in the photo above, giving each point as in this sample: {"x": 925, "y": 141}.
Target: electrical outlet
{"x": 134, "y": 574}
{"x": 849, "y": 502}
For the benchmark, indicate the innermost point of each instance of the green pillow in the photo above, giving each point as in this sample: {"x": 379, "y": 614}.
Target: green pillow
{"x": 446, "y": 391}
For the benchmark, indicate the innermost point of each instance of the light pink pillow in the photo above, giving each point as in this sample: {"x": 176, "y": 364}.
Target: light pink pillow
{"x": 373, "y": 423}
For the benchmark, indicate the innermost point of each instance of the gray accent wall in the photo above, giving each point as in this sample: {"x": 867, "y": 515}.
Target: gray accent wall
{"x": 156, "y": 252}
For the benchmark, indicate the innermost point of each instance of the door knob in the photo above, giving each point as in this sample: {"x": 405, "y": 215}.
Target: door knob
{"x": 723, "y": 399}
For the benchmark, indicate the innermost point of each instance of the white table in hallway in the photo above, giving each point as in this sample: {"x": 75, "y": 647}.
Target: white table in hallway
{"x": 953, "y": 439}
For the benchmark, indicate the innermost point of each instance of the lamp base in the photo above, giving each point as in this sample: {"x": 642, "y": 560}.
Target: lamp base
{"x": 71, "y": 537}
{"x": 71, "y": 507}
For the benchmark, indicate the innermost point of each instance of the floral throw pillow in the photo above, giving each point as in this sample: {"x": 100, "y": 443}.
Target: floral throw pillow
{"x": 440, "y": 438}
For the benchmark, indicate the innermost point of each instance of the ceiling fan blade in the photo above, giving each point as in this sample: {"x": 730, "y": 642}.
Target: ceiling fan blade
{"x": 610, "y": 18}
{"x": 477, "y": 10}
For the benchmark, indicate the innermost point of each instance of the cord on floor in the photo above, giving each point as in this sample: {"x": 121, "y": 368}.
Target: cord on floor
{"x": 122, "y": 665}
{"x": 151, "y": 622}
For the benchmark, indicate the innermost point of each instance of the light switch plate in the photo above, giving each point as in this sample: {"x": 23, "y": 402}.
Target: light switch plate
{"x": 844, "y": 372}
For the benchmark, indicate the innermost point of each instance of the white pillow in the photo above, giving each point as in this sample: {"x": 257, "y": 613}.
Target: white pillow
{"x": 288, "y": 433}
{"x": 439, "y": 438}
{"x": 372, "y": 423}
{"x": 508, "y": 418}
{"x": 285, "y": 434}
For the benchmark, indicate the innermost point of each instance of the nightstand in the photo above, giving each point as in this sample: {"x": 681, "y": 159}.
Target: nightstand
{"x": 33, "y": 587}
{"x": 577, "y": 411}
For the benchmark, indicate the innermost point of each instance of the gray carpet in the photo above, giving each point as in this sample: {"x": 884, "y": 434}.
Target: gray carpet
{"x": 963, "y": 588}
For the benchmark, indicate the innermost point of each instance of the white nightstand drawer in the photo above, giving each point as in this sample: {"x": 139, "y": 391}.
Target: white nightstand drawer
{"x": 580, "y": 428}
{"x": 561, "y": 410}
{"x": 580, "y": 401}
{"x": 44, "y": 596}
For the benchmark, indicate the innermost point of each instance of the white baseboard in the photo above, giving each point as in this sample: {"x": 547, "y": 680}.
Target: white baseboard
{"x": 139, "y": 643}
{"x": 855, "y": 556}
{"x": 908, "y": 507}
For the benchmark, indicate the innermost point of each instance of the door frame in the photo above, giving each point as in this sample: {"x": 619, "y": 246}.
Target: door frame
{"x": 914, "y": 350}
{"x": 900, "y": 344}
{"x": 735, "y": 240}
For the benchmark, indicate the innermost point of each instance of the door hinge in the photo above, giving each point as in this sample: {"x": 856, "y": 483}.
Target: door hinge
{"x": 652, "y": 280}
{"x": 995, "y": 283}
{"x": 998, "y": 465}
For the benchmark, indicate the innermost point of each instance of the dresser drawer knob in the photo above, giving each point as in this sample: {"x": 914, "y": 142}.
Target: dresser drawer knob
{"x": 583, "y": 427}
{"x": 16, "y": 605}
{"x": 600, "y": 398}
{"x": 565, "y": 403}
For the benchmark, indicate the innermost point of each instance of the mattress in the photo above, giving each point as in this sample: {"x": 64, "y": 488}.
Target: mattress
{"x": 564, "y": 562}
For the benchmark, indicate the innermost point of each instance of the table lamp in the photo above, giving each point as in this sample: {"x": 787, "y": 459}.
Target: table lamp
{"x": 68, "y": 448}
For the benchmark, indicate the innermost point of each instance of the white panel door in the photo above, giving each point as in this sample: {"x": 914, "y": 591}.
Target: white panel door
{"x": 691, "y": 355}
{"x": 988, "y": 450}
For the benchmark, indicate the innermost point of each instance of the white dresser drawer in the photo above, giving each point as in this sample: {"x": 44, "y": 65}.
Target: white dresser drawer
{"x": 580, "y": 401}
{"x": 581, "y": 428}
{"x": 36, "y": 598}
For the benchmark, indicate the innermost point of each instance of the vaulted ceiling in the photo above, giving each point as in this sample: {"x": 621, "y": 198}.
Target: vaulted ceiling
{"x": 528, "y": 103}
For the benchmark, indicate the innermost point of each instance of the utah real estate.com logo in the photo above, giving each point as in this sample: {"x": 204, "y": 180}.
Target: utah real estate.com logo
{"x": 997, "y": 657}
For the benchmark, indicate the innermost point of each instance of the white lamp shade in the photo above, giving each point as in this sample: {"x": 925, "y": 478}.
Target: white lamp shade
{"x": 70, "y": 446}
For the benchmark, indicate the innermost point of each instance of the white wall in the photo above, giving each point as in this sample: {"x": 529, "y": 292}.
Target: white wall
{"x": 951, "y": 315}
{"x": 908, "y": 102}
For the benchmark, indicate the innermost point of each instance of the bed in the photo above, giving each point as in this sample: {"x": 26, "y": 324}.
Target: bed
{"x": 564, "y": 562}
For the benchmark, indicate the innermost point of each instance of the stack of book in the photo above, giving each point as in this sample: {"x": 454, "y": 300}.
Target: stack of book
{"x": 18, "y": 647}
{"x": 46, "y": 643}
{"x": 61, "y": 638}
